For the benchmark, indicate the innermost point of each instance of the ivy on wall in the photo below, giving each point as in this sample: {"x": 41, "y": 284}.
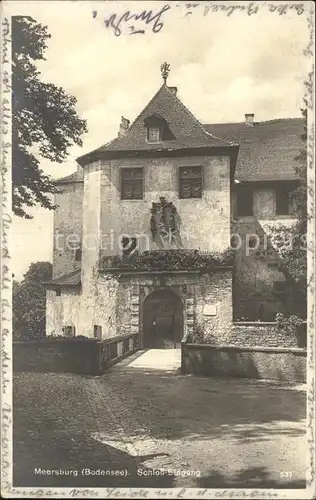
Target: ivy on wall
{"x": 169, "y": 260}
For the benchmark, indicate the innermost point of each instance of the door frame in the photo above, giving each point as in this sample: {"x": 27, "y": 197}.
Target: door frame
{"x": 153, "y": 291}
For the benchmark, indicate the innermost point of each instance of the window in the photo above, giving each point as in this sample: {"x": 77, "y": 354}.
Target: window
{"x": 282, "y": 201}
{"x": 280, "y": 287}
{"x": 129, "y": 246}
{"x": 244, "y": 201}
{"x": 97, "y": 331}
{"x": 131, "y": 183}
{"x": 69, "y": 331}
{"x": 157, "y": 129}
{"x": 58, "y": 292}
{"x": 154, "y": 134}
{"x": 190, "y": 182}
{"x": 253, "y": 241}
{"x": 78, "y": 254}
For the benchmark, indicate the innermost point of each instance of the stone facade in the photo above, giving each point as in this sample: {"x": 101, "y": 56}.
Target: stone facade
{"x": 204, "y": 222}
{"x": 116, "y": 304}
{"x": 94, "y": 211}
{"x": 93, "y": 218}
{"x": 63, "y": 310}
{"x": 67, "y": 228}
{"x": 259, "y": 334}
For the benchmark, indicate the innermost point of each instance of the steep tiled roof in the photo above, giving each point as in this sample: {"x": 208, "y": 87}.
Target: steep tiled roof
{"x": 267, "y": 150}
{"x": 188, "y": 131}
{"x": 72, "y": 279}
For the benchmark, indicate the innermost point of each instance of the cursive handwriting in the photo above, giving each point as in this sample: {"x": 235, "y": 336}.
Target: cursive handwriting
{"x": 251, "y": 8}
{"x": 128, "y": 19}
{"x": 5, "y": 273}
{"x": 149, "y": 17}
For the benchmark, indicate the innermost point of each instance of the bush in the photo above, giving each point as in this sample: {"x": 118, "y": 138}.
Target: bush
{"x": 29, "y": 302}
{"x": 63, "y": 337}
{"x": 290, "y": 323}
{"x": 169, "y": 260}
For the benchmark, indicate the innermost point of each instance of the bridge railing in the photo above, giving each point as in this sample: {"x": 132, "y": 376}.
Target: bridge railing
{"x": 72, "y": 355}
{"x": 114, "y": 349}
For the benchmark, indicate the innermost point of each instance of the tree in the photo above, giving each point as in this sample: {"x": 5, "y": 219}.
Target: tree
{"x": 29, "y": 302}
{"x": 294, "y": 256}
{"x": 44, "y": 119}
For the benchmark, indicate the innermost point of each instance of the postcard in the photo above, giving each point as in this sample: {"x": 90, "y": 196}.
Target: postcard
{"x": 157, "y": 249}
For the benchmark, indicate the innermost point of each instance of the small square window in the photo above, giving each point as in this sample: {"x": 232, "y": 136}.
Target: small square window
{"x": 154, "y": 134}
{"x": 190, "y": 182}
{"x": 131, "y": 183}
{"x": 282, "y": 201}
{"x": 244, "y": 201}
{"x": 69, "y": 331}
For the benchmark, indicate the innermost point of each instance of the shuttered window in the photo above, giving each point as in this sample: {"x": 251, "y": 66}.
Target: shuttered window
{"x": 190, "y": 182}
{"x": 131, "y": 183}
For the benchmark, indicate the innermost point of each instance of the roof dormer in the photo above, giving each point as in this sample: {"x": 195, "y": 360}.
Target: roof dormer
{"x": 158, "y": 129}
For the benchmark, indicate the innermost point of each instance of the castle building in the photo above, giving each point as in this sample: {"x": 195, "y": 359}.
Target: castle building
{"x": 143, "y": 231}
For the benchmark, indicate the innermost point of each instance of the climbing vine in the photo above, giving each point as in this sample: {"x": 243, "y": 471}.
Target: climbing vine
{"x": 169, "y": 260}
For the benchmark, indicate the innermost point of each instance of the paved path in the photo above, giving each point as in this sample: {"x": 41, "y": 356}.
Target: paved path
{"x": 157, "y": 359}
{"x": 165, "y": 429}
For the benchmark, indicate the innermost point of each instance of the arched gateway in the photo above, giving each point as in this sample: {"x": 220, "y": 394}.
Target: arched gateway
{"x": 162, "y": 320}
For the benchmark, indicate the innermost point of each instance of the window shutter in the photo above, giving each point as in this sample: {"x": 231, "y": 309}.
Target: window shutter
{"x": 132, "y": 183}
{"x": 190, "y": 182}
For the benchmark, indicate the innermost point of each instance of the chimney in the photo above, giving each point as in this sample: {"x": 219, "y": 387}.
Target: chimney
{"x": 174, "y": 90}
{"x": 249, "y": 117}
{"x": 124, "y": 126}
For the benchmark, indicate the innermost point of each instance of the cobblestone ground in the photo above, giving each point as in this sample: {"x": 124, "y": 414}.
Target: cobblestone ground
{"x": 150, "y": 427}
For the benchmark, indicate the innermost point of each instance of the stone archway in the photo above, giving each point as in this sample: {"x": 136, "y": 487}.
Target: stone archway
{"x": 162, "y": 320}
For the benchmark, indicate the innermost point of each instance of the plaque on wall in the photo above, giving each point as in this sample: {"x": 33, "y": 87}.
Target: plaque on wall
{"x": 210, "y": 310}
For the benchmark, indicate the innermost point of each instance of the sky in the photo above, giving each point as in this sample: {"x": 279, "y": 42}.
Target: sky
{"x": 224, "y": 66}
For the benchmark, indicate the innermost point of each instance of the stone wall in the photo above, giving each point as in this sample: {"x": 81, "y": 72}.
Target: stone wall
{"x": 265, "y": 334}
{"x": 204, "y": 222}
{"x": 94, "y": 211}
{"x": 107, "y": 305}
{"x": 87, "y": 356}
{"x": 74, "y": 356}
{"x": 259, "y": 363}
{"x": 206, "y": 299}
{"x": 213, "y": 302}
{"x": 256, "y": 334}
{"x": 63, "y": 310}
{"x": 67, "y": 222}
{"x": 115, "y": 303}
